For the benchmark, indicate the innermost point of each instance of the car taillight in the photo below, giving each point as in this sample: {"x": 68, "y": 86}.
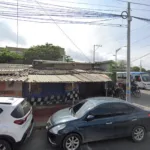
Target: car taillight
{"x": 20, "y": 121}
{"x": 148, "y": 115}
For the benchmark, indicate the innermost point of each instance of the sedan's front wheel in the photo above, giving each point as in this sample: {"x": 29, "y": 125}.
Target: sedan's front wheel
{"x": 138, "y": 134}
{"x": 72, "y": 142}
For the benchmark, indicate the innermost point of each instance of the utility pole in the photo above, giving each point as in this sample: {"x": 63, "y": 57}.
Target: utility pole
{"x": 128, "y": 83}
{"x": 140, "y": 65}
{"x": 94, "y": 54}
{"x": 17, "y": 24}
{"x": 94, "y": 51}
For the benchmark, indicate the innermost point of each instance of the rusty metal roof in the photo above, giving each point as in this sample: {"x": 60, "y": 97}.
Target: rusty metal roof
{"x": 13, "y": 78}
{"x": 83, "y": 77}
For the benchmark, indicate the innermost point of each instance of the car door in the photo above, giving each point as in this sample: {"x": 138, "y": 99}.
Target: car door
{"x": 125, "y": 119}
{"x": 101, "y": 126}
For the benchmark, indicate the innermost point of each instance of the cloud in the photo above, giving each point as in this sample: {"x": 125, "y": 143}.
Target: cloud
{"x": 79, "y": 56}
{"x": 8, "y": 35}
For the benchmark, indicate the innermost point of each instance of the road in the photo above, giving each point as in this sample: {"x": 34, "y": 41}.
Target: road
{"x": 38, "y": 139}
{"x": 38, "y": 142}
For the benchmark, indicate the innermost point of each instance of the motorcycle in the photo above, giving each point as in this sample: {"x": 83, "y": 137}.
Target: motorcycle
{"x": 135, "y": 91}
{"x": 117, "y": 92}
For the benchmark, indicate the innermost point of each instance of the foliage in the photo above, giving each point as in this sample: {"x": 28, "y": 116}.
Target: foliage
{"x": 7, "y": 57}
{"x": 68, "y": 58}
{"x": 136, "y": 68}
{"x": 44, "y": 52}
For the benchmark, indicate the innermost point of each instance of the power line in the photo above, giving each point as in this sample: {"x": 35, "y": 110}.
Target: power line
{"x": 135, "y": 3}
{"x": 141, "y": 57}
{"x": 82, "y": 3}
{"x": 63, "y": 32}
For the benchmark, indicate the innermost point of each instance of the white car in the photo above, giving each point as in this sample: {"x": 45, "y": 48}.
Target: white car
{"x": 16, "y": 122}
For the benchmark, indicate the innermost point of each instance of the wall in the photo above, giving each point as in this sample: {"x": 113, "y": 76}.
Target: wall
{"x": 11, "y": 89}
{"x": 50, "y": 93}
{"x": 66, "y": 66}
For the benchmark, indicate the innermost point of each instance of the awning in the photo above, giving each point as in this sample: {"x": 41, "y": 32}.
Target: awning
{"x": 83, "y": 77}
{"x": 12, "y": 78}
{"x": 52, "y": 78}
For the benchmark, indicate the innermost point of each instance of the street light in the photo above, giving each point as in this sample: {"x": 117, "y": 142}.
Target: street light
{"x": 117, "y": 52}
{"x": 94, "y": 51}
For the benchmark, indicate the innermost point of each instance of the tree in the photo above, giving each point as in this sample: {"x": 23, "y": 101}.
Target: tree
{"x": 44, "y": 52}
{"x": 122, "y": 65}
{"x": 136, "y": 68}
{"x": 8, "y": 57}
{"x": 68, "y": 58}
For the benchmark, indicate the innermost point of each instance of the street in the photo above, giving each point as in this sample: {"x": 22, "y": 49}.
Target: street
{"x": 38, "y": 139}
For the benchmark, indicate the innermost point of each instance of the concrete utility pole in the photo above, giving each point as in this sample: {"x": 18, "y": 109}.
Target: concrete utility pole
{"x": 140, "y": 65}
{"x": 94, "y": 51}
{"x": 128, "y": 83}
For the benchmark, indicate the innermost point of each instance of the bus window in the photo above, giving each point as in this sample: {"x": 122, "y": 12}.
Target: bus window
{"x": 124, "y": 76}
{"x": 119, "y": 75}
{"x": 145, "y": 77}
{"x": 137, "y": 78}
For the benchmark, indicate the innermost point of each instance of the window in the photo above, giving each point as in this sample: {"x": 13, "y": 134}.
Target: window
{"x": 21, "y": 110}
{"x": 82, "y": 108}
{"x": 103, "y": 111}
{"x": 119, "y": 75}
{"x": 121, "y": 109}
{"x": 145, "y": 77}
{"x": 137, "y": 78}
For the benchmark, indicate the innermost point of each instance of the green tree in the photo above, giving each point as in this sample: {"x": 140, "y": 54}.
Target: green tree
{"x": 68, "y": 58}
{"x": 136, "y": 68}
{"x": 8, "y": 57}
{"x": 44, "y": 52}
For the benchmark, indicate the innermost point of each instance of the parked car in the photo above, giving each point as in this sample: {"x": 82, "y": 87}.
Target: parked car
{"x": 97, "y": 119}
{"x": 16, "y": 122}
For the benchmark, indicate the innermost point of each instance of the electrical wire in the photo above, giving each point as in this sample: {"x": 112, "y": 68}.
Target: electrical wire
{"x": 64, "y": 32}
{"x": 71, "y": 2}
{"x": 135, "y": 3}
{"x": 141, "y": 57}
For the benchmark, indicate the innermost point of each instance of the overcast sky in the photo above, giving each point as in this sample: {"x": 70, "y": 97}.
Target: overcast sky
{"x": 85, "y": 36}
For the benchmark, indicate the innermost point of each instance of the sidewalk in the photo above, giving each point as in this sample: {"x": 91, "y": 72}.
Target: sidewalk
{"x": 42, "y": 113}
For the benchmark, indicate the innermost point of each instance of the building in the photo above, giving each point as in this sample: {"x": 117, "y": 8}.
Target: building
{"x": 52, "y": 82}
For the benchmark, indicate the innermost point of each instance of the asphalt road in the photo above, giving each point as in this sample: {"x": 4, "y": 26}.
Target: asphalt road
{"x": 38, "y": 142}
{"x": 38, "y": 139}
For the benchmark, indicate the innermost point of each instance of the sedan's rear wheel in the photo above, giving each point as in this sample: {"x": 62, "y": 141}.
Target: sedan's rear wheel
{"x": 72, "y": 142}
{"x": 138, "y": 134}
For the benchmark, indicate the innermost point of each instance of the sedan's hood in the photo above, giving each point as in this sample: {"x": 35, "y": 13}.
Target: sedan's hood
{"x": 62, "y": 116}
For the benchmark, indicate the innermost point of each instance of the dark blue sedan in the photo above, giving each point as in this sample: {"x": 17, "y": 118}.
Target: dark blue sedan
{"x": 97, "y": 119}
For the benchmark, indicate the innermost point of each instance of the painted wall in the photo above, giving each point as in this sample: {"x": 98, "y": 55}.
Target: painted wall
{"x": 50, "y": 93}
{"x": 11, "y": 88}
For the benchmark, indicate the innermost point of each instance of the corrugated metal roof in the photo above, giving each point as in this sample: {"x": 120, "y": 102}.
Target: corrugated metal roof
{"x": 13, "y": 78}
{"x": 93, "y": 77}
{"x": 83, "y": 77}
{"x": 52, "y": 78}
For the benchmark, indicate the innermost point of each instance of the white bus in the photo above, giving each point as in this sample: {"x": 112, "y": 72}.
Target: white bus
{"x": 141, "y": 78}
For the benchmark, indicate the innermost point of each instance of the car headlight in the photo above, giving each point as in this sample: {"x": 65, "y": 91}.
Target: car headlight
{"x": 56, "y": 128}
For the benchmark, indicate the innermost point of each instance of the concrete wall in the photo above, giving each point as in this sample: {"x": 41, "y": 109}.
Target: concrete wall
{"x": 11, "y": 89}
{"x": 66, "y": 66}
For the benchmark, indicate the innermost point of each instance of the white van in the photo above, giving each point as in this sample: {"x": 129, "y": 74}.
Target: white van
{"x": 142, "y": 78}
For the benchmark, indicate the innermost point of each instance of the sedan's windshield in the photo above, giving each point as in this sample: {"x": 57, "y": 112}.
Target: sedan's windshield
{"x": 146, "y": 77}
{"x": 82, "y": 108}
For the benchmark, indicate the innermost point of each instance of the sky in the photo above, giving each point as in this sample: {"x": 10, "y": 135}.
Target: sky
{"x": 85, "y": 36}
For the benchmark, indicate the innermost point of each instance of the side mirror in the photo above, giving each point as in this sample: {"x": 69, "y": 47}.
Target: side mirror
{"x": 90, "y": 117}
